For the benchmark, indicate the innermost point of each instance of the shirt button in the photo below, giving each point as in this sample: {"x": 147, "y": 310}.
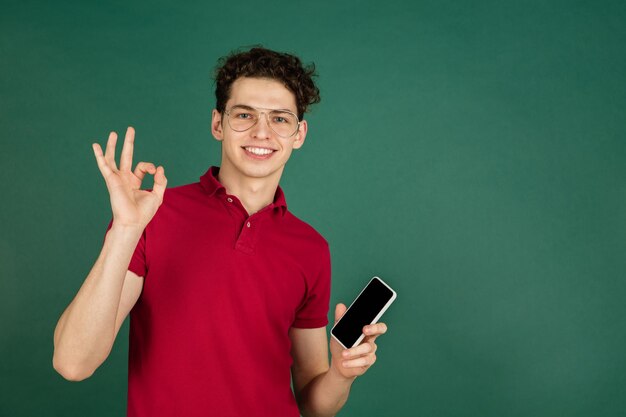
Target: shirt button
{"x": 230, "y": 200}
{"x": 248, "y": 224}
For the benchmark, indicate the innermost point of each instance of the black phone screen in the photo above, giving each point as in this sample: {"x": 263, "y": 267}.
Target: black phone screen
{"x": 362, "y": 311}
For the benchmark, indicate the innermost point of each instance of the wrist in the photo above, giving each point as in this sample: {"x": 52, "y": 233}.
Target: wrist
{"x": 125, "y": 231}
{"x": 337, "y": 376}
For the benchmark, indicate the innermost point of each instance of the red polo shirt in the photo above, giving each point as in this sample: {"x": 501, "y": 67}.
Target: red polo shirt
{"x": 209, "y": 333}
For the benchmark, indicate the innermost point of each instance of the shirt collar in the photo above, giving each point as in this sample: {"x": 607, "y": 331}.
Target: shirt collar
{"x": 213, "y": 187}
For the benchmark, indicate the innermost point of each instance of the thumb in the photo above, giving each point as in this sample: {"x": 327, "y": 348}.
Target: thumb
{"x": 160, "y": 182}
{"x": 340, "y": 309}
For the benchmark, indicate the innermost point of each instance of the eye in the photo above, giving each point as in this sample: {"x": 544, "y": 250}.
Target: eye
{"x": 282, "y": 118}
{"x": 243, "y": 116}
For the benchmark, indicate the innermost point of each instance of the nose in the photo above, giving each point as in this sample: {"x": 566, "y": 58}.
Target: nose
{"x": 262, "y": 129}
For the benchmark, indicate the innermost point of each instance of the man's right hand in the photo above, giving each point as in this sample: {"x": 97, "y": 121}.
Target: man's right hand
{"x": 131, "y": 205}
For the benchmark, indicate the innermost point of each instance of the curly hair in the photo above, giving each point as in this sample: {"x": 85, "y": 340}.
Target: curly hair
{"x": 260, "y": 62}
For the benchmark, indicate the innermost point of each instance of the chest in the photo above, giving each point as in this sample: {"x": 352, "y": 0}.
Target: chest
{"x": 220, "y": 265}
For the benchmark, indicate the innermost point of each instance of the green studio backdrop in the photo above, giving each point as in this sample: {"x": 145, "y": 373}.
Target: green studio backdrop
{"x": 472, "y": 154}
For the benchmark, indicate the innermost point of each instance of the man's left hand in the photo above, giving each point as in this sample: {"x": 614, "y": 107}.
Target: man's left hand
{"x": 354, "y": 362}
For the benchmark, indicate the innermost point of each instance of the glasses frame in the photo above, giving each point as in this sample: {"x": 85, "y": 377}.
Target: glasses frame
{"x": 267, "y": 118}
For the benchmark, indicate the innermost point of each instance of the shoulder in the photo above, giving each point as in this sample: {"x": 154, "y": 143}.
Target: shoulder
{"x": 179, "y": 203}
{"x": 179, "y": 191}
{"x": 303, "y": 230}
{"x": 175, "y": 196}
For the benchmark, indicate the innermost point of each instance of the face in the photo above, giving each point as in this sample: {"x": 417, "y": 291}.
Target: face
{"x": 238, "y": 148}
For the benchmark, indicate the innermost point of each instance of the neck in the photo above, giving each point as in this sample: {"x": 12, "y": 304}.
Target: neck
{"x": 254, "y": 193}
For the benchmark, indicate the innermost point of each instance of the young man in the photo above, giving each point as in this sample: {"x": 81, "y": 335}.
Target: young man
{"x": 229, "y": 291}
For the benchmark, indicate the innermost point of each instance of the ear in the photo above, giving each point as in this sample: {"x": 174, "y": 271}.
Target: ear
{"x": 216, "y": 125}
{"x": 301, "y": 135}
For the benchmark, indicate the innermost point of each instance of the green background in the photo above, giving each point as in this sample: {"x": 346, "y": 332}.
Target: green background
{"x": 472, "y": 154}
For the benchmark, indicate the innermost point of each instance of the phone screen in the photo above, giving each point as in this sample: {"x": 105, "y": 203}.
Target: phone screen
{"x": 362, "y": 312}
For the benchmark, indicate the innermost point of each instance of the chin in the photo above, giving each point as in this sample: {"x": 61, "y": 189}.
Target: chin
{"x": 260, "y": 171}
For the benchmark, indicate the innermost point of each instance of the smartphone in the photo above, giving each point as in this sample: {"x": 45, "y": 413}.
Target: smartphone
{"x": 366, "y": 309}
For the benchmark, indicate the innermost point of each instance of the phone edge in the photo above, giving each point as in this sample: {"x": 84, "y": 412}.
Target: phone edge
{"x": 380, "y": 314}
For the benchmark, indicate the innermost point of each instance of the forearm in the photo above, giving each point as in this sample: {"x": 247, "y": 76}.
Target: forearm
{"x": 84, "y": 335}
{"x": 325, "y": 395}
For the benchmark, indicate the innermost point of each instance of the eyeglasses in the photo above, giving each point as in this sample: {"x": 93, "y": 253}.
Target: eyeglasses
{"x": 241, "y": 118}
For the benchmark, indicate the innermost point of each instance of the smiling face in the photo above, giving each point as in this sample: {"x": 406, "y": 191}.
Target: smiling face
{"x": 257, "y": 152}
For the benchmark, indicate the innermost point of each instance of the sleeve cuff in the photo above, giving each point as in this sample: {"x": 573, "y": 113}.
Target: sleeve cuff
{"x": 137, "y": 267}
{"x": 310, "y": 323}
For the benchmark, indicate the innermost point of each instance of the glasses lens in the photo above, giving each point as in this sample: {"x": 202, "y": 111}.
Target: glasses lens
{"x": 285, "y": 124}
{"x": 241, "y": 118}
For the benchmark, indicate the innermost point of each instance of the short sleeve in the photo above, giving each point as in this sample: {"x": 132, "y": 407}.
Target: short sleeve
{"x": 313, "y": 312}
{"x": 138, "y": 260}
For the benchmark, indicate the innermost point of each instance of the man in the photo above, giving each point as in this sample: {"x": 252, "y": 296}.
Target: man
{"x": 229, "y": 291}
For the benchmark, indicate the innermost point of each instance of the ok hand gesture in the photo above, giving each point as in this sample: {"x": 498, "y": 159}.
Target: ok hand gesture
{"x": 131, "y": 205}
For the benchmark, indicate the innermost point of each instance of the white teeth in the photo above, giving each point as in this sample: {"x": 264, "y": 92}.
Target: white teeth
{"x": 259, "y": 151}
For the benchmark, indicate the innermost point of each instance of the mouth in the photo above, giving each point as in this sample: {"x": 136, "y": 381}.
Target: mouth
{"x": 256, "y": 152}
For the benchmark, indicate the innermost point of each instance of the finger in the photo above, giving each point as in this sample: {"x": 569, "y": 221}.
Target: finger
{"x": 142, "y": 168}
{"x": 340, "y": 310}
{"x": 364, "y": 361}
{"x": 360, "y": 350}
{"x": 126, "y": 159}
{"x": 160, "y": 182}
{"x": 110, "y": 151}
{"x": 375, "y": 329}
{"x": 102, "y": 164}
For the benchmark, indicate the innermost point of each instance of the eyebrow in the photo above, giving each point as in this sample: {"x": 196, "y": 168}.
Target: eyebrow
{"x": 248, "y": 107}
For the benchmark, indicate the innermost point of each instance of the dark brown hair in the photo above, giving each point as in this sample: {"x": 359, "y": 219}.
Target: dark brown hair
{"x": 260, "y": 62}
